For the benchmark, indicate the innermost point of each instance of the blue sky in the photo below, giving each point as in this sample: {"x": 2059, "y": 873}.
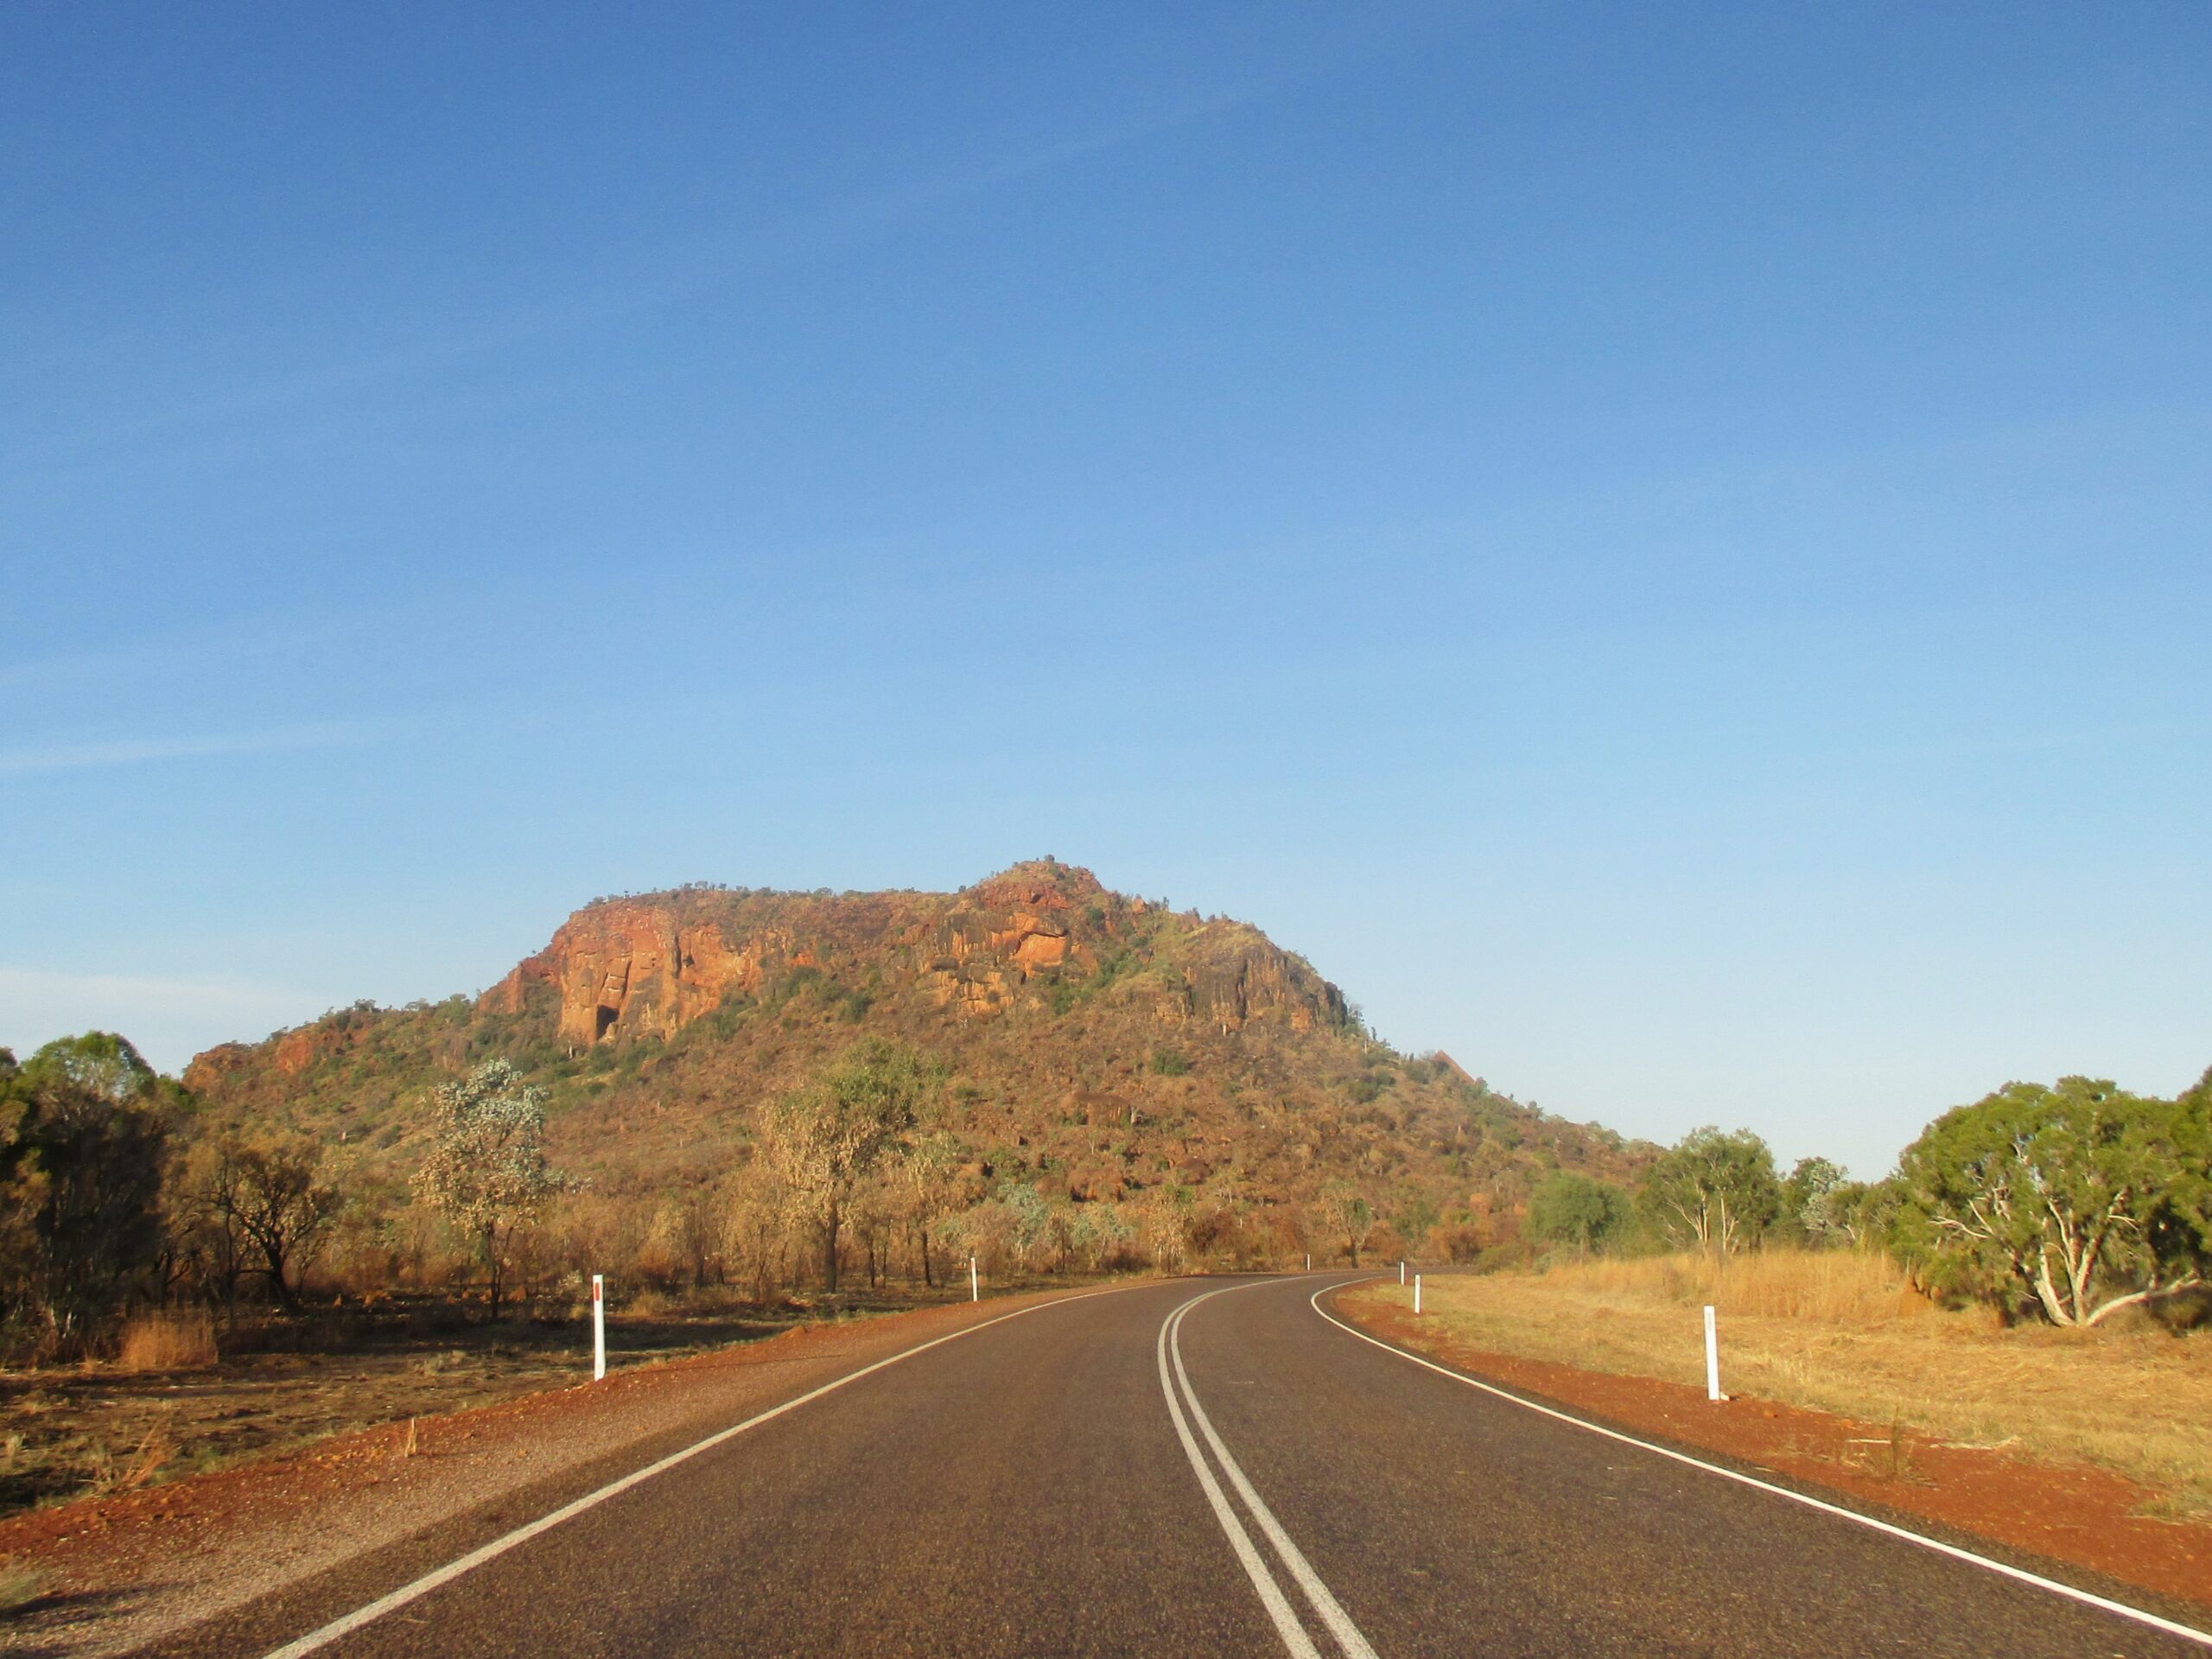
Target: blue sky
{"x": 1666, "y": 548}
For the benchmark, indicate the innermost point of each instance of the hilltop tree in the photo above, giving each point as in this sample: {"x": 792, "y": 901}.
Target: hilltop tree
{"x": 1712, "y": 1190}
{"x": 2080, "y": 1199}
{"x": 822, "y": 1142}
{"x": 486, "y": 1173}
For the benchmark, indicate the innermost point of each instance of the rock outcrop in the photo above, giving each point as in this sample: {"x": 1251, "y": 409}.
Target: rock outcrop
{"x": 640, "y": 966}
{"x": 649, "y": 966}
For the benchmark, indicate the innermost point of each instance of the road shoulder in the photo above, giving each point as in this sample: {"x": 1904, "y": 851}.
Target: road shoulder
{"x": 119, "y": 1573}
{"x": 2080, "y": 1516}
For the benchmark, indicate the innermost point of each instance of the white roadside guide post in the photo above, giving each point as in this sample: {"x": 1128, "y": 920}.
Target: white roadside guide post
{"x": 1416, "y": 1293}
{"x": 1711, "y": 1358}
{"x": 598, "y": 1329}
{"x": 1309, "y": 1260}
{"x": 974, "y": 1285}
{"x": 1401, "y": 1273}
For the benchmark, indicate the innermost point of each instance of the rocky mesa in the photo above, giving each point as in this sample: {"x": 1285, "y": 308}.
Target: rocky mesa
{"x": 649, "y": 966}
{"x": 1098, "y": 1044}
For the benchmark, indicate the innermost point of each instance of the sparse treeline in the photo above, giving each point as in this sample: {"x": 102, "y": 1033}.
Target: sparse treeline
{"x": 114, "y": 1197}
{"x": 2065, "y": 1204}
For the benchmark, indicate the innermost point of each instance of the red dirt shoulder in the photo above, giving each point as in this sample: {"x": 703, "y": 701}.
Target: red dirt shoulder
{"x": 2080, "y": 1516}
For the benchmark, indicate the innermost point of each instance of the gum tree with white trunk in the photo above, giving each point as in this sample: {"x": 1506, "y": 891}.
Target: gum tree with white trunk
{"x": 2078, "y": 1199}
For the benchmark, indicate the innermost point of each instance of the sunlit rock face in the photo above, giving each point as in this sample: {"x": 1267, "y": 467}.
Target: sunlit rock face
{"x": 650, "y": 965}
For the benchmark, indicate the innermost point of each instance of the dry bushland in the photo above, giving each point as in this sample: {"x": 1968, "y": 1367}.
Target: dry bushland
{"x": 1843, "y": 1332}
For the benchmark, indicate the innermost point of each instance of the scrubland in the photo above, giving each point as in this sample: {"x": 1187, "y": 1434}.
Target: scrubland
{"x": 1843, "y": 1331}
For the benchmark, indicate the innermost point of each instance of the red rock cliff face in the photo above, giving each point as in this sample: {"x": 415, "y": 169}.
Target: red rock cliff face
{"x": 636, "y": 965}
{"x": 1243, "y": 978}
{"x": 649, "y": 966}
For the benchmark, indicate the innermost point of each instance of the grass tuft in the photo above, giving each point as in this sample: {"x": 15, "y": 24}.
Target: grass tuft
{"x": 174, "y": 1339}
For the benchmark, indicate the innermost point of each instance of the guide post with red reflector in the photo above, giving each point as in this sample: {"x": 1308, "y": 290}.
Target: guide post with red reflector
{"x": 598, "y": 1329}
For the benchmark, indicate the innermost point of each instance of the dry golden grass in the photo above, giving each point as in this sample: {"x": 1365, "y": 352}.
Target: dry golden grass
{"x": 1842, "y": 1333}
{"x": 174, "y": 1339}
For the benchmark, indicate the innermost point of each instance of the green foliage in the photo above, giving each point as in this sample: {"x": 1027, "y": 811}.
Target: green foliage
{"x": 1415, "y": 1216}
{"x": 1713, "y": 1191}
{"x": 1820, "y": 1203}
{"x": 2076, "y": 1199}
{"x": 84, "y": 1128}
{"x": 1166, "y": 1063}
{"x": 1574, "y": 1210}
{"x": 99, "y": 1063}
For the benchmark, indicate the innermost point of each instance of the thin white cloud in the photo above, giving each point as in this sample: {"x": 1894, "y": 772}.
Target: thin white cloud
{"x": 677, "y": 275}
{"x": 21, "y": 987}
{"x": 124, "y": 752}
{"x": 169, "y": 1018}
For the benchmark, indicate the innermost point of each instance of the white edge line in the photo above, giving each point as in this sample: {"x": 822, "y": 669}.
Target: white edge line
{"x": 1248, "y": 1554}
{"x": 2104, "y": 1604}
{"x": 1349, "y": 1638}
{"x": 385, "y": 1604}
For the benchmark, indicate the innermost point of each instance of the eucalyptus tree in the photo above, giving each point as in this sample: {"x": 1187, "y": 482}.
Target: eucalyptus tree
{"x": 824, "y": 1142}
{"x": 1712, "y": 1190}
{"x": 487, "y": 1172}
{"x": 2078, "y": 1199}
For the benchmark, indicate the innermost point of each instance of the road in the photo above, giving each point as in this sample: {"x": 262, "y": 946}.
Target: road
{"x": 1195, "y": 1467}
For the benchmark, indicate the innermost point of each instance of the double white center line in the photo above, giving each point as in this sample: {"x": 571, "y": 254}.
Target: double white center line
{"x": 1332, "y": 1615}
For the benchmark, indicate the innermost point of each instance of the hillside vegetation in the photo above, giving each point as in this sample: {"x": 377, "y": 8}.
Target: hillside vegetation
{"x": 711, "y": 1088}
{"x": 1096, "y": 1046}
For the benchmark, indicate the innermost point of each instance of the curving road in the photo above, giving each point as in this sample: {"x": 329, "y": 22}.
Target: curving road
{"x": 1197, "y": 1467}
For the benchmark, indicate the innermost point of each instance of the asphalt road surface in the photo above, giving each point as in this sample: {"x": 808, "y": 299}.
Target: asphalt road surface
{"x": 1204, "y": 1467}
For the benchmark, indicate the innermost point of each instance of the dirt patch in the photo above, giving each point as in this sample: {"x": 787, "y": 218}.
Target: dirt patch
{"x": 96, "y": 1429}
{"x": 116, "y": 1573}
{"x": 2073, "y": 1513}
